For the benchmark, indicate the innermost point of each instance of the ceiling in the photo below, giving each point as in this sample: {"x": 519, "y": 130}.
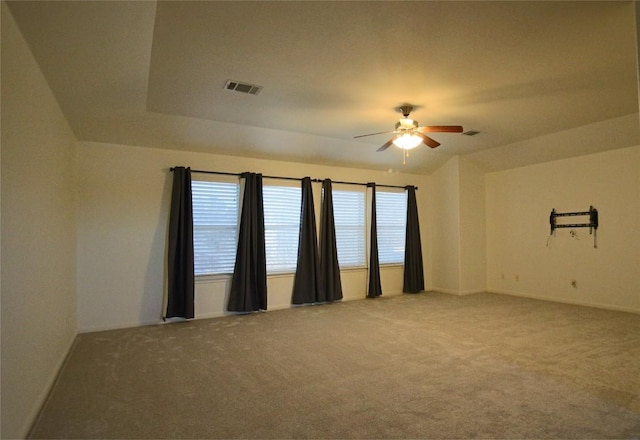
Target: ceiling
{"x": 152, "y": 74}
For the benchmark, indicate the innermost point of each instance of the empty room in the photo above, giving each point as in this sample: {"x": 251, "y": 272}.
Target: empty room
{"x": 304, "y": 219}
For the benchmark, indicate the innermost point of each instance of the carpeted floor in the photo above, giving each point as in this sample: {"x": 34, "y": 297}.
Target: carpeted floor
{"x": 413, "y": 366}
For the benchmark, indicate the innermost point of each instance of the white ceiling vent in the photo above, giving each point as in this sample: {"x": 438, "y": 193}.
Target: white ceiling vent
{"x": 238, "y": 86}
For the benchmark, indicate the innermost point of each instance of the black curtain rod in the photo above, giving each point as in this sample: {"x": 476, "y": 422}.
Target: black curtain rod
{"x": 297, "y": 178}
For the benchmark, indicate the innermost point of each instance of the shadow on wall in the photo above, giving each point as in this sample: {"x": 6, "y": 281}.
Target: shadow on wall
{"x": 155, "y": 282}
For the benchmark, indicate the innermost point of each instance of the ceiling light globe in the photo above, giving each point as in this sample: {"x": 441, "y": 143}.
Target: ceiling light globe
{"x": 407, "y": 141}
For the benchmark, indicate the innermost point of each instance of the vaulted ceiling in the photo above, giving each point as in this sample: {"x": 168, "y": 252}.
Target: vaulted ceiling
{"x": 152, "y": 74}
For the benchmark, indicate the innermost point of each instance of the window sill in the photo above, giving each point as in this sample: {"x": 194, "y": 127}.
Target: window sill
{"x": 352, "y": 268}
{"x": 283, "y": 274}
{"x": 213, "y": 278}
{"x": 223, "y": 277}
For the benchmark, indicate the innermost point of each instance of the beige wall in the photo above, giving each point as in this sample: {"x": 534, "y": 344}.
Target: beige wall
{"x": 456, "y": 228}
{"x": 473, "y": 253}
{"x": 519, "y": 202}
{"x": 443, "y": 229}
{"x": 124, "y": 195}
{"x": 38, "y": 235}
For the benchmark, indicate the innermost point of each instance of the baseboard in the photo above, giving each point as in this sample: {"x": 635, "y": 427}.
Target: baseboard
{"x": 210, "y": 315}
{"x": 127, "y": 325}
{"x": 159, "y": 321}
{"x": 42, "y": 399}
{"x": 567, "y": 301}
{"x": 393, "y": 293}
{"x": 455, "y": 292}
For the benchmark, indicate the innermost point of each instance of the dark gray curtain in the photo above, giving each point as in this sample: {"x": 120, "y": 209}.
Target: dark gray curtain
{"x": 375, "y": 288}
{"x": 180, "y": 253}
{"x": 329, "y": 268}
{"x": 249, "y": 281}
{"x": 413, "y": 268}
{"x": 307, "y": 283}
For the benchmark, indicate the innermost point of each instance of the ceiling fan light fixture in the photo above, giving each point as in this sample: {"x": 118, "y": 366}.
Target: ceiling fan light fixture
{"x": 407, "y": 141}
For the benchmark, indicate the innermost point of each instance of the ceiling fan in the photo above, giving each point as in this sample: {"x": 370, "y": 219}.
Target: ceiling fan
{"x": 409, "y": 135}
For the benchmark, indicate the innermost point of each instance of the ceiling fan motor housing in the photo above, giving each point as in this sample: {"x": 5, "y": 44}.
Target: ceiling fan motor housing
{"x": 406, "y": 110}
{"x": 406, "y": 125}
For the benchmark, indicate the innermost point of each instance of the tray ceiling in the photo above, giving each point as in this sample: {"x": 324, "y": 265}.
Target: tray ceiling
{"x": 154, "y": 74}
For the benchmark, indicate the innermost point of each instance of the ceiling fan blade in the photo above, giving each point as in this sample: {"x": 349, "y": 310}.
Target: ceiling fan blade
{"x": 372, "y": 134}
{"x": 443, "y": 129}
{"x": 387, "y": 144}
{"x": 430, "y": 142}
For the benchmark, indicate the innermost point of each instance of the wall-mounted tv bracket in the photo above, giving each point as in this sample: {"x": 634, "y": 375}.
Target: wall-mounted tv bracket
{"x": 592, "y": 225}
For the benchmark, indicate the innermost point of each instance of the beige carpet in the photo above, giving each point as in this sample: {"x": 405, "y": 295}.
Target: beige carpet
{"x": 414, "y": 366}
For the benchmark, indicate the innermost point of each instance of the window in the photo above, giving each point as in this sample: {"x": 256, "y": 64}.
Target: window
{"x": 216, "y": 215}
{"x": 391, "y": 213}
{"x": 282, "y": 226}
{"x": 349, "y": 217}
{"x": 215, "y": 226}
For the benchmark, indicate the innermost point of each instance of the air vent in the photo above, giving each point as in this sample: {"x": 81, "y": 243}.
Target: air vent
{"x": 471, "y": 133}
{"x": 238, "y": 86}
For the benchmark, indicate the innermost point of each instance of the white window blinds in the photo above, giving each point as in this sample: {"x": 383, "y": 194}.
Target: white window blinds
{"x": 215, "y": 226}
{"x": 391, "y": 213}
{"x": 216, "y": 213}
{"x": 349, "y": 217}
{"x": 282, "y": 226}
